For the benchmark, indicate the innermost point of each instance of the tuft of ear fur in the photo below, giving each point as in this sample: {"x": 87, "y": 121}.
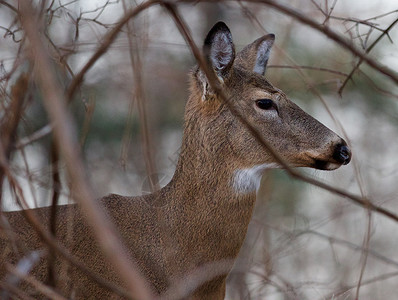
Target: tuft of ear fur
{"x": 254, "y": 57}
{"x": 204, "y": 87}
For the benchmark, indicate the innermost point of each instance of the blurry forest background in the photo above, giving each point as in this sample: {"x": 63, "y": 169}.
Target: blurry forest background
{"x": 304, "y": 242}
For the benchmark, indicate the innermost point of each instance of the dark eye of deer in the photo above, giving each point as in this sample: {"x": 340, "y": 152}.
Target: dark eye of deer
{"x": 265, "y": 104}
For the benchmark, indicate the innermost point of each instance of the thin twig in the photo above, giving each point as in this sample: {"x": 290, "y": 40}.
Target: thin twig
{"x": 37, "y": 135}
{"x": 348, "y": 244}
{"x": 9, "y": 124}
{"x": 347, "y": 44}
{"x": 385, "y": 32}
{"x": 347, "y": 288}
{"x": 139, "y": 97}
{"x": 296, "y": 67}
{"x": 107, "y": 41}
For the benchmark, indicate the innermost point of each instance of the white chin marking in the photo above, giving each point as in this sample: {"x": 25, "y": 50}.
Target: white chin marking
{"x": 332, "y": 166}
{"x": 248, "y": 180}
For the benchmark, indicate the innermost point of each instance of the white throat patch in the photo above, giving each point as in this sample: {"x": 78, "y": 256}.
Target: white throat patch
{"x": 248, "y": 180}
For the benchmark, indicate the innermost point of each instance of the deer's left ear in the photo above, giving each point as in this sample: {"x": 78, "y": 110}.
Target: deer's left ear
{"x": 219, "y": 50}
{"x": 254, "y": 57}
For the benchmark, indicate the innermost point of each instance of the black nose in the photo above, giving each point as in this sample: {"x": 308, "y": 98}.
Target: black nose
{"x": 342, "y": 154}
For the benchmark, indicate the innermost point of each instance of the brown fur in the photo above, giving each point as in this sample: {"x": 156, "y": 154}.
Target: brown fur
{"x": 198, "y": 219}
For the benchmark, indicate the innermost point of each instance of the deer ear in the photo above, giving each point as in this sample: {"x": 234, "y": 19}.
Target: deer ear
{"x": 254, "y": 57}
{"x": 219, "y": 50}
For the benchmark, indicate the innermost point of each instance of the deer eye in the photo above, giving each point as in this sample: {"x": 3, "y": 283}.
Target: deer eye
{"x": 265, "y": 104}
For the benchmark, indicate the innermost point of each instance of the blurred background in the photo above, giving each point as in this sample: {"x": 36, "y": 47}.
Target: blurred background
{"x": 303, "y": 242}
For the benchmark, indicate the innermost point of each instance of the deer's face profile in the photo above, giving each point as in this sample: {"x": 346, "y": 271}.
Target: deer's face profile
{"x": 300, "y": 139}
{"x": 297, "y": 137}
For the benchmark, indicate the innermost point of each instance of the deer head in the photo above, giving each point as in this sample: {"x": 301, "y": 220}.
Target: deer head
{"x": 297, "y": 137}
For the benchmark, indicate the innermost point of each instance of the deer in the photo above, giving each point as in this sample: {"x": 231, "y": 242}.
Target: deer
{"x": 199, "y": 220}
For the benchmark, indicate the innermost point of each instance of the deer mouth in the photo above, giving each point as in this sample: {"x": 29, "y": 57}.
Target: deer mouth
{"x": 341, "y": 156}
{"x": 326, "y": 165}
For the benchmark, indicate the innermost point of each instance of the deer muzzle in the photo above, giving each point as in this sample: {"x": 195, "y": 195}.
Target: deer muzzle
{"x": 342, "y": 154}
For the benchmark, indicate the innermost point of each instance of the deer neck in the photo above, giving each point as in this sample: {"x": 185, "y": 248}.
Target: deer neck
{"x": 207, "y": 162}
{"x": 204, "y": 181}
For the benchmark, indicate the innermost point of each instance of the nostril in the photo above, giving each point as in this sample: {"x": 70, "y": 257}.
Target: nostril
{"x": 342, "y": 154}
